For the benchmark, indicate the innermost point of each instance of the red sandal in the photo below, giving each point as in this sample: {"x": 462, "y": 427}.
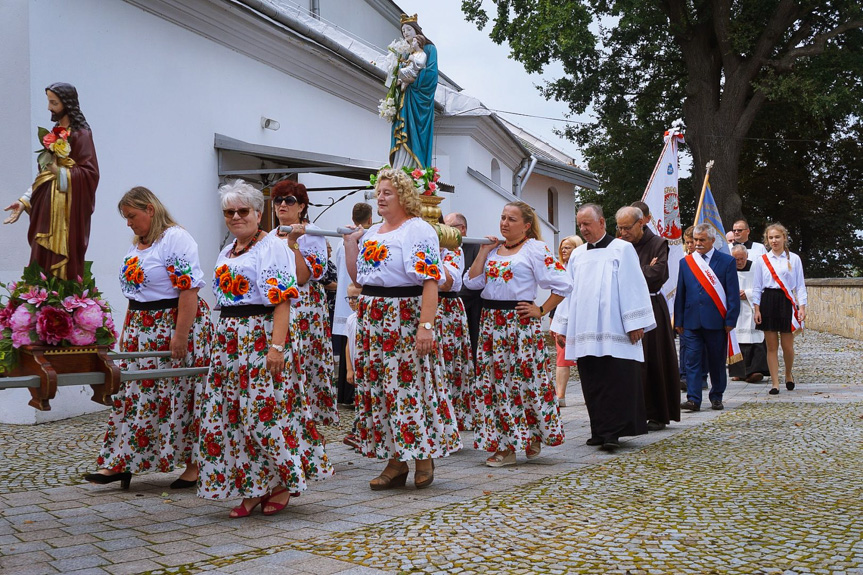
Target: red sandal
{"x": 241, "y": 511}
{"x": 275, "y": 507}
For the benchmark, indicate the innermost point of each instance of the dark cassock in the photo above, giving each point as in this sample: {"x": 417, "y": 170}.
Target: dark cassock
{"x": 660, "y": 370}
{"x": 753, "y": 368}
{"x": 60, "y": 215}
{"x": 609, "y": 299}
{"x": 471, "y": 298}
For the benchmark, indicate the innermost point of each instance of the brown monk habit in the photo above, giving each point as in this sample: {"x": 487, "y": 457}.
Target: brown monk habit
{"x": 84, "y": 177}
{"x": 660, "y": 371}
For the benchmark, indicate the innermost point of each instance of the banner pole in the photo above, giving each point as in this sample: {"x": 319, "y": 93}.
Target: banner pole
{"x": 703, "y": 189}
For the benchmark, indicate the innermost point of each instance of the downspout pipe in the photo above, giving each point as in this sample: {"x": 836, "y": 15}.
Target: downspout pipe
{"x": 524, "y": 172}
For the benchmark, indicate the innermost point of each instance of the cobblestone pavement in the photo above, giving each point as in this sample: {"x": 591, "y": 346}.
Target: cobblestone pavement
{"x": 770, "y": 485}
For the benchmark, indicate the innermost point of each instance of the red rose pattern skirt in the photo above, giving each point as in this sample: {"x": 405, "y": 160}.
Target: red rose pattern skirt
{"x": 451, "y": 328}
{"x": 311, "y": 339}
{"x": 256, "y": 433}
{"x": 153, "y": 423}
{"x": 402, "y": 403}
{"x": 514, "y": 399}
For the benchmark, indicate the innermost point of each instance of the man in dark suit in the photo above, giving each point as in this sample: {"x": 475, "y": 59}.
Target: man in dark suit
{"x": 470, "y": 297}
{"x": 698, "y": 318}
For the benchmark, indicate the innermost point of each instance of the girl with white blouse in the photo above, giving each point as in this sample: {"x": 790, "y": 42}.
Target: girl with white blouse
{"x": 258, "y": 439}
{"x": 779, "y": 300}
{"x": 311, "y": 337}
{"x": 152, "y": 426}
{"x": 402, "y": 401}
{"x": 451, "y": 324}
{"x": 515, "y": 402}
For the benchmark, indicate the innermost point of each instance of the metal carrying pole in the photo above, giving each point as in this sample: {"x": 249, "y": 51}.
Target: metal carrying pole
{"x": 341, "y": 231}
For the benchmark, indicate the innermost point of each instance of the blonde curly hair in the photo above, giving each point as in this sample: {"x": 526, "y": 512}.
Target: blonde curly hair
{"x": 409, "y": 199}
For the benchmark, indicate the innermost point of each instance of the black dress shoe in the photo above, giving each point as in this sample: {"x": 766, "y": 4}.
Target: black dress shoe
{"x": 774, "y": 391}
{"x": 594, "y": 441}
{"x": 717, "y": 405}
{"x": 689, "y": 406}
{"x": 789, "y": 385}
{"x": 183, "y": 483}
{"x": 125, "y": 478}
{"x": 655, "y": 426}
{"x": 610, "y": 444}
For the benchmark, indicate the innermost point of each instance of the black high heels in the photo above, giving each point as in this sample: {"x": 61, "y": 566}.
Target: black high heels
{"x": 125, "y": 478}
{"x": 183, "y": 483}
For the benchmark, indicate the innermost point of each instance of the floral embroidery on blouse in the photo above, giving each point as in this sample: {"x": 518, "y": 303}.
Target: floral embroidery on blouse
{"x": 316, "y": 265}
{"x": 282, "y": 288}
{"x": 233, "y": 286}
{"x": 550, "y": 262}
{"x": 425, "y": 262}
{"x": 498, "y": 271}
{"x": 180, "y": 272}
{"x": 451, "y": 255}
{"x": 373, "y": 255}
{"x": 132, "y": 274}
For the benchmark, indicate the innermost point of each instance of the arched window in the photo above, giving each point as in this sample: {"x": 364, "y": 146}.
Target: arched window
{"x": 552, "y": 206}
{"x": 495, "y": 171}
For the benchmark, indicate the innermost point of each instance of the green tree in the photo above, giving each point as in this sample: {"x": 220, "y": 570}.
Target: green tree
{"x": 640, "y": 64}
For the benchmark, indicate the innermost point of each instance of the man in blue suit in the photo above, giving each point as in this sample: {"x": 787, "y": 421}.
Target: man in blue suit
{"x": 698, "y": 319}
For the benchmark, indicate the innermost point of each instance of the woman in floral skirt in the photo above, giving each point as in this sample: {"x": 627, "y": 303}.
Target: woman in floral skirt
{"x": 451, "y": 324}
{"x": 515, "y": 401}
{"x": 258, "y": 439}
{"x": 403, "y": 406}
{"x": 152, "y": 426}
{"x": 311, "y": 337}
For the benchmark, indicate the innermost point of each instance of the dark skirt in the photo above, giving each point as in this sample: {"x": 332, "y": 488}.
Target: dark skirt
{"x": 660, "y": 372}
{"x": 776, "y": 311}
{"x": 613, "y": 396}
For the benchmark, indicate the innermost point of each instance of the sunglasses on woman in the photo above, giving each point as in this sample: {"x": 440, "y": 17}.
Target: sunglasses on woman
{"x": 243, "y": 212}
{"x": 289, "y": 200}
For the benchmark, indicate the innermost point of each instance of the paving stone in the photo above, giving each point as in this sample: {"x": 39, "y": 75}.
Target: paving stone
{"x": 777, "y": 476}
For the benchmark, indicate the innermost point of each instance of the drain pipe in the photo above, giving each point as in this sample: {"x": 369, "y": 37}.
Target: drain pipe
{"x": 524, "y": 172}
{"x": 315, "y": 8}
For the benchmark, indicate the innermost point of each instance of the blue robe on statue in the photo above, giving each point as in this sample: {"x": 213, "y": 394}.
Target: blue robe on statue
{"x": 413, "y": 126}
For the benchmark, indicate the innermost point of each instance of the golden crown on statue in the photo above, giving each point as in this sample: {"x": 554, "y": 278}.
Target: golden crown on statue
{"x": 406, "y": 19}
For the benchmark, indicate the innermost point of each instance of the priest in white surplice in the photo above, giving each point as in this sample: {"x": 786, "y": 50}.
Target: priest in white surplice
{"x": 602, "y": 323}
{"x": 751, "y": 340}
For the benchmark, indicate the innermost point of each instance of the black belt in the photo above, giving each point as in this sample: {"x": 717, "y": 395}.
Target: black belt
{"x": 245, "y": 310}
{"x": 774, "y": 289}
{"x": 154, "y": 305}
{"x": 500, "y": 303}
{"x": 401, "y": 291}
{"x": 449, "y": 294}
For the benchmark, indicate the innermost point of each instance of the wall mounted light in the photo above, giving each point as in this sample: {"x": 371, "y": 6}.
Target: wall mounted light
{"x": 269, "y": 124}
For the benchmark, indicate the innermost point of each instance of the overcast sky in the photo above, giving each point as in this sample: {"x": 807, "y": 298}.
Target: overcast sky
{"x": 485, "y": 70}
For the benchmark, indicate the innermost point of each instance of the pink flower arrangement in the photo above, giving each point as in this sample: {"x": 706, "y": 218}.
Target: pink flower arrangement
{"x": 42, "y": 310}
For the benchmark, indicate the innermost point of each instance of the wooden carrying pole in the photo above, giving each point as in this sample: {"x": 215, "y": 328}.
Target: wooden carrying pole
{"x": 703, "y": 189}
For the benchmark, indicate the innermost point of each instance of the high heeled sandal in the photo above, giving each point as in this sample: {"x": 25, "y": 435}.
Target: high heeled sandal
{"x": 384, "y": 481}
{"x": 125, "y": 478}
{"x": 534, "y": 450}
{"x": 423, "y": 479}
{"x": 240, "y": 510}
{"x": 275, "y": 507}
{"x": 501, "y": 459}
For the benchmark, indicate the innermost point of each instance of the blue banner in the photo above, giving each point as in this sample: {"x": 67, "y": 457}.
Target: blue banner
{"x": 709, "y": 214}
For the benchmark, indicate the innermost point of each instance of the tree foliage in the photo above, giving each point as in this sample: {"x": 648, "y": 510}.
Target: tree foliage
{"x": 735, "y": 70}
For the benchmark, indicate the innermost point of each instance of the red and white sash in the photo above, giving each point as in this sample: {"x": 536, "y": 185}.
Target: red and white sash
{"x": 795, "y": 322}
{"x": 711, "y": 284}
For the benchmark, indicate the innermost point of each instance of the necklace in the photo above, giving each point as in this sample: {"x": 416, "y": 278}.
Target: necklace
{"x": 516, "y": 244}
{"x": 236, "y": 253}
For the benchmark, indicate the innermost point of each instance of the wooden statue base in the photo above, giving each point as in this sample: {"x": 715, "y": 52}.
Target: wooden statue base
{"x": 48, "y": 361}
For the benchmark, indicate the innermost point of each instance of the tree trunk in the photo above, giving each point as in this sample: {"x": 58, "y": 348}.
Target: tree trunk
{"x": 710, "y": 140}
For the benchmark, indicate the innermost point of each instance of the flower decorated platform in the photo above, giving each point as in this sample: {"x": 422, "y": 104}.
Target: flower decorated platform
{"x": 50, "y": 326}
